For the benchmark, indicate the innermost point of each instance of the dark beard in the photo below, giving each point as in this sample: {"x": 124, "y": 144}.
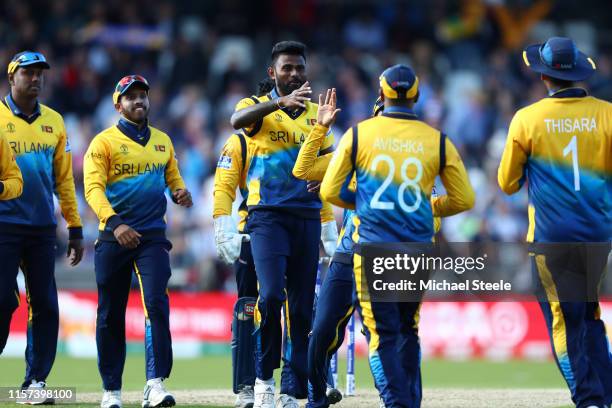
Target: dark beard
{"x": 289, "y": 87}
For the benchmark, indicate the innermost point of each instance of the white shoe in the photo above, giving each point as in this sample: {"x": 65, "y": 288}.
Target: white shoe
{"x": 35, "y": 399}
{"x": 111, "y": 399}
{"x": 286, "y": 401}
{"x": 245, "y": 397}
{"x": 334, "y": 395}
{"x": 264, "y": 393}
{"x": 155, "y": 395}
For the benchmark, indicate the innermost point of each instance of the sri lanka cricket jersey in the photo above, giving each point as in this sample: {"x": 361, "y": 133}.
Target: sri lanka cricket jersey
{"x": 126, "y": 172}
{"x": 11, "y": 181}
{"x": 396, "y": 159}
{"x": 42, "y": 152}
{"x": 562, "y": 146}
{"x": 231, "y": 173}
{"x": 276, "y": 140}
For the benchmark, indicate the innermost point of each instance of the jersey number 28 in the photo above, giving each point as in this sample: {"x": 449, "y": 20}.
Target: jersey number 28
{"x": 376, "y": 202}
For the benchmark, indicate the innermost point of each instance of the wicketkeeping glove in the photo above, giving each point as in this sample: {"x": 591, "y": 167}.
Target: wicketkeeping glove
{"x": 227, "y": 239}
{"x": 329, "y": 237}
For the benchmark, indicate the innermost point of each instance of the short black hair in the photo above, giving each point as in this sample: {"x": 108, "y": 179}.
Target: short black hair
{"x": 561, "y": 83}
{"x": 289, "y": 48}
{"x": 265, "y": 86}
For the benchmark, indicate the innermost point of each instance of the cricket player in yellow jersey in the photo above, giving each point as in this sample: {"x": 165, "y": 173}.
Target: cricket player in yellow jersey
{"x": 233, "y": 247}
{"x": 128, "y": 168}
{"x": 37, "y": 136}
{"x": 395, "y": 158}
{"x": 561, "y": 147}
{"x": 11, "y": 181}
{"x": 283, "y": 223}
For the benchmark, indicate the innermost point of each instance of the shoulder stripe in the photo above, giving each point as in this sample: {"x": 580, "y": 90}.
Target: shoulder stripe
{"x": 354, "y": 147}
{"x": 442, "y": 151}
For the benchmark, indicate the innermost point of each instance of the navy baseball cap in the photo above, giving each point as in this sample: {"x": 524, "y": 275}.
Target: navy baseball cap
{"x": 399, "y": 81}
{"x": 559, "y": 58}
{"x": 25, "y": 58}
{"x": 126, "y": 83}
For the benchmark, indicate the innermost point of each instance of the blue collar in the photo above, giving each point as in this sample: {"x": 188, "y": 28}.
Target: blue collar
{"x": 292, "y": 114}
{"x": 399, "y": 112}
{"x": 131, "y": 130}
{"x": 569, "y": 93}
{"x": 274, "y": 94}
{"x": 10, "y": 103}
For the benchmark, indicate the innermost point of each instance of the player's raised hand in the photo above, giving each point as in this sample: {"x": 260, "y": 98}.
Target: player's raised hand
{"x": 297, "y": 98}
{"x": 126, "y": 236}
{"x": 182, "y": 198}
{"x": 326, "y": 115}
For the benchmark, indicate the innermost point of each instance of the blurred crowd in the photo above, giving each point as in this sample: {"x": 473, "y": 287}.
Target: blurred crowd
{"x": 201, "y": 58}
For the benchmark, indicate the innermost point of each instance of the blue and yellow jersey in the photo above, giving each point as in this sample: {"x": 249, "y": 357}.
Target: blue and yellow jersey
{"x": 11, "y": 181}
{"x": 231, "y": 174}
{"x": 396, "y": 159}
{"x": 42, "y": 152}
{"x": 126, "y": 173}
{"x": 562, "y": 147}
{"x": 275, "y": 141}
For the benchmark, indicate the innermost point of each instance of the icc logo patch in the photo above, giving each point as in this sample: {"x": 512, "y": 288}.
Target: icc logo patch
{"x": 46, "y": 128}
{"x": 10, "y": 127}
{"x": 311, "y": 122}
{"x": 124, "y": 149}
{"x": 160, "y": 148}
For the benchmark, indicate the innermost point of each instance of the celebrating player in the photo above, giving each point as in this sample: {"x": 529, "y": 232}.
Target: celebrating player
{"x": 283, "y": 223}
{"x": 127, "y": 169}
{"x": 11, "y": 181}
{"x": 382, "y": 206}
{"x": 27, "y": 224}
{"x": 562, "y": 146}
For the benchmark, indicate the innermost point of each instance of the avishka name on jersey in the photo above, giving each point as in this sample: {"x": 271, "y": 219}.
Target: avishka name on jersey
{"x": 399, "y": 145}
{"x": 570, "y": 125}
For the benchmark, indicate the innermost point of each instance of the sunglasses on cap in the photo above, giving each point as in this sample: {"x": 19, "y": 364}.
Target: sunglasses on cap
{"x": 23, "y": 59}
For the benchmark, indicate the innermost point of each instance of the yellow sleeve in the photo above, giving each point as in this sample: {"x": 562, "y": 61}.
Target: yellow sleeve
{"x": 459, "y": 193}
{"x": 327, "y": 212}
{"x": 510, "y": 174}
{"x": 329, "y": 140}
{"x": 173, "y": 176}
{"x": 64, "y": 182}
{"x": 334, "y": 187}
{"x": 95, "y": 174}
{"x": 245, "y": 103}
{"x": 309, "y": 165}
{"x": 11, "y": 181}
{"x": 227, "y": 176}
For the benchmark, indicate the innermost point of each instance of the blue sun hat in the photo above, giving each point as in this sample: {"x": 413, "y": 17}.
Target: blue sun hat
{"x": 559, "y": 58}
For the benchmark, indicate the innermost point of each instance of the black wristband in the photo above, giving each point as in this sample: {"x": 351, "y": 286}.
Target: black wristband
{"x": 114, "y": 221}
{"x": 75, "y": 233}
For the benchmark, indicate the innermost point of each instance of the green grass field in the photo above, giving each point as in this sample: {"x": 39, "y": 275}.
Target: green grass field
{"x": 214, "y": 372}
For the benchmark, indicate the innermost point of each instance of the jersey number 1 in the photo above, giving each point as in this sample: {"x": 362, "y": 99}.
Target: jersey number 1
{"x": 573, "y": 147}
